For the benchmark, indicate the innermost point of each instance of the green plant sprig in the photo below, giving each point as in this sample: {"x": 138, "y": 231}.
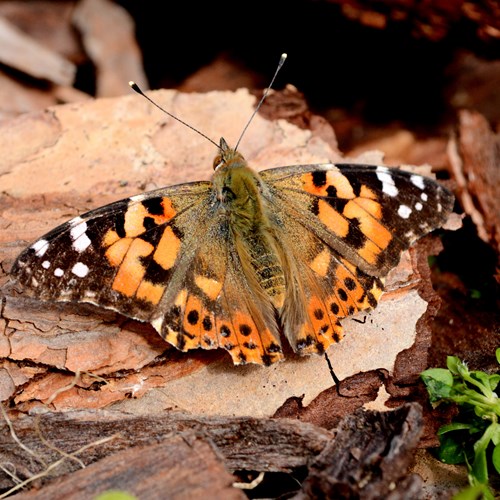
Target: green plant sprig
{"x": 474, "y": 435}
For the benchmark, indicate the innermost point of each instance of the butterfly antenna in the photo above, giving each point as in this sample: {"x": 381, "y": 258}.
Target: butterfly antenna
{"x": 280, "y": 64}
{"x": 137, "y": 89}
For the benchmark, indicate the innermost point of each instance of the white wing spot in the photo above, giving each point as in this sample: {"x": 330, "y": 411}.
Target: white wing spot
{"x": 137, "y": 197}
{"x": 75, "y": 221}
{"x": 404, "y": 211}
{"x": 40, "y": 247}
{"x": 81, "y": 243}
{"x": 418, "y": 206}
{"x": 58, "y": 272}
{"x": 80, "y": 240}
{"x": 388, "y": 186}
{"x": 418, "y": 181}
{"x": 424, "y": 196}
{"x": 45, "y": 264}
{"x": 80, "y": 269}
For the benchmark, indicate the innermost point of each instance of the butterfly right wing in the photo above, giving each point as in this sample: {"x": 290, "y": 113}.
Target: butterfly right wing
{"x": 344, "y": 227}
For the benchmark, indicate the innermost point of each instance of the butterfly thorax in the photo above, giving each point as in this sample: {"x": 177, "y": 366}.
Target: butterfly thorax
{"x": 239, "y": 193}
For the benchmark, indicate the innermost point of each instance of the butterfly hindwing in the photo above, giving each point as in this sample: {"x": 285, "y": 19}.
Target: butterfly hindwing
{"x": 211, "y": 304}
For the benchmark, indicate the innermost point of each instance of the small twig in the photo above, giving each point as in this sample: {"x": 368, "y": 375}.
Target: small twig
{"x": 17, "y": 440}
{"x": 251, "y": 485}
{"x": 9, "y": 473}
{"x": 48, "y": 444}
{"x": 56, "y": 464}
{"x": 72, "y": 384}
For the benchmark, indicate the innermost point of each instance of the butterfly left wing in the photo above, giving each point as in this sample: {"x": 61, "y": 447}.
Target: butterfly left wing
{"x": 165, "y": 257}
{"x": 118, "y": 256}
{"x": 344, "y": 228}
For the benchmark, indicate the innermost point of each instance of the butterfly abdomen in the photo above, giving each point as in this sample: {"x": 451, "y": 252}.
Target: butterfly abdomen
{"x": 239, "y": 191}
{"x": 267, "y": 266}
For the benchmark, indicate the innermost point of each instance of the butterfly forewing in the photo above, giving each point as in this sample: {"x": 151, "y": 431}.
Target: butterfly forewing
{"x": 118, "y": 256}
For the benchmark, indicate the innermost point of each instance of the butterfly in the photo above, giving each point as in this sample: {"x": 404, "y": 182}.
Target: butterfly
{"x": 238, "y": 261}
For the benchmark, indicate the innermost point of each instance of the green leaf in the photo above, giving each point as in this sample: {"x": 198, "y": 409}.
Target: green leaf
{"x": 476, "y": 492}
{"x": 467, "y": 439}
{"x": 438, "y": 382}
{"x": 450, "y": 450}
{"x": 495, "y": 435}
{"x": 479, "y": 468}
{"x": 483, "y": 380}
{"x": 452, "y": 362}
{"x": 495, "y": 457}
{"x": 115, "y": 495}
{"x": 454, "y": 426}
{"x": 494, "y": 380}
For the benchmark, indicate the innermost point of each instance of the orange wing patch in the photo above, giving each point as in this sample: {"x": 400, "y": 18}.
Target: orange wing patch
{"x": 168, "y": 249}
{"x": 245, "y": 342}
{"x": 131, "y": 272}
{"x": 137, "y": 213}
{"x": 321, "y": 182}
{"x": 127, "y": 253}
{"x": 334, "y": 221}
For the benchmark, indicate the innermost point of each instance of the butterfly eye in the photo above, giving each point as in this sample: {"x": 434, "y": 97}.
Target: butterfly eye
{"x": 217, "y": 162}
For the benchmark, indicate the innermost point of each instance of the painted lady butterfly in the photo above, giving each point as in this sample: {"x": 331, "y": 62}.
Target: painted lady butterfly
{"x": 237, "y": 261}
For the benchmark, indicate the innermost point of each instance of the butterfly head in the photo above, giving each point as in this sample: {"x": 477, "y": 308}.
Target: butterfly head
{"x": 228, "y": 157}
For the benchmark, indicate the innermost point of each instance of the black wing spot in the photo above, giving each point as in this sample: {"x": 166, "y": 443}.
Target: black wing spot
{"x": 153, "y": 206}
{"x": 193, "y": 317}
{"x": 245, "y": 330}
{"x": 318, "y": 314}
{"x": 274, "y": 348}
{"x": 371, "y": 299}
{"x": 319, "y": 178}
{"x": 350, "y": 284}
{"x": 225, "y": 331}
{"x": 207, "y": 323}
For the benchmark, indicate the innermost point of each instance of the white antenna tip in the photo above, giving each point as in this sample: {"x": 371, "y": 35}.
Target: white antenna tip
{"x": 284, "y": 56}
{"x": 131, "y": 83}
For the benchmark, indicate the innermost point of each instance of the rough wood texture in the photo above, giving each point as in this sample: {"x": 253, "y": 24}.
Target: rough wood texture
{"x": 245, "y": 443}
{"x": 475, "y": 160}
{"x": 180, "y": 467}
{"x": 108, "y": 34}
{"x": 369, "y": 456}
{"x": 24, "y": 54}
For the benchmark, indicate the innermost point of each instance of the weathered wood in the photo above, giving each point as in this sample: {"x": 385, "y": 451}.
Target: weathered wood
{"x": 108, "y": 35}
{"x": 369, "y": 456}
{"x": 475, "y": 159}
{"x": 180, "y": 467}
{"x": 245, "y": 443}
{"x": 21, "y": 52}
